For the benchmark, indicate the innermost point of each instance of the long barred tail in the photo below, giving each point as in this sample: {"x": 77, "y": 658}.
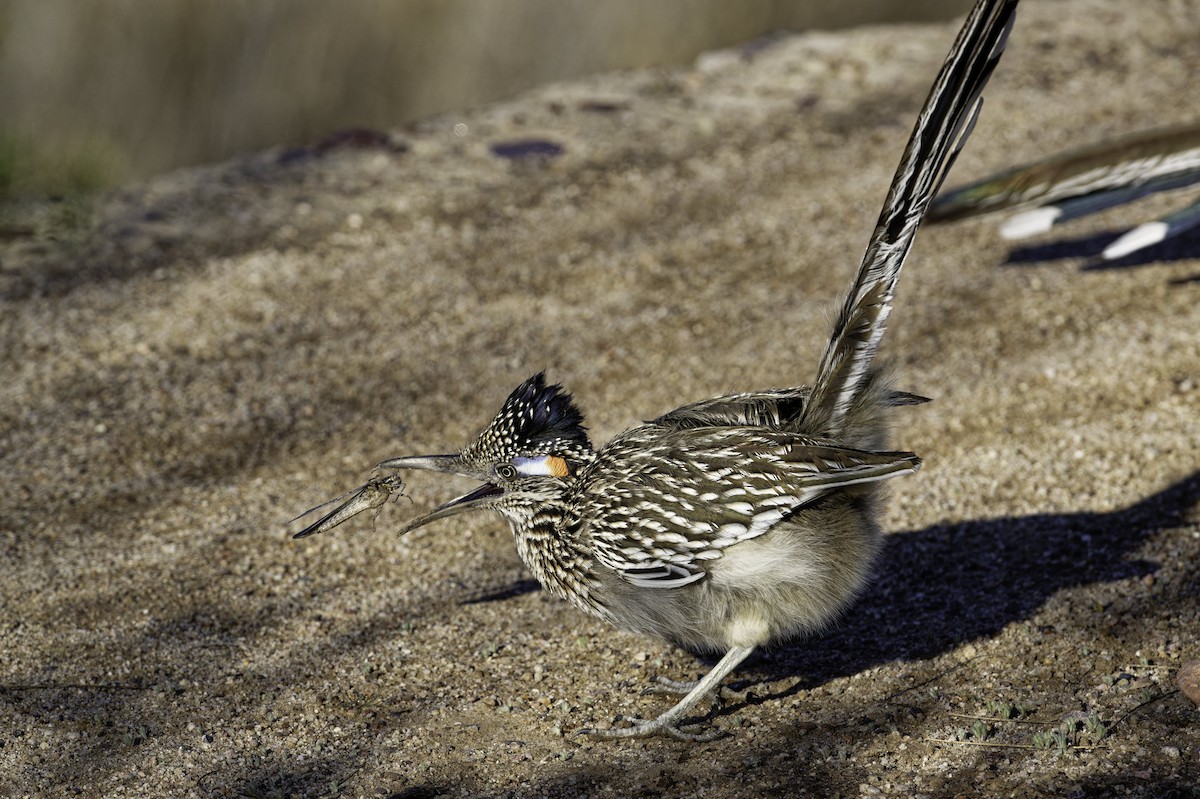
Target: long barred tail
{"x": 941, "y": 129}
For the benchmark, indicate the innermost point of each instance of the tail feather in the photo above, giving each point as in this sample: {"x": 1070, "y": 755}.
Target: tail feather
{"x": 1156, "y": 232}
{"x": 1146, "y": 162}
{"x": 1065, "y": 209}
{"x": 941, "y": 130}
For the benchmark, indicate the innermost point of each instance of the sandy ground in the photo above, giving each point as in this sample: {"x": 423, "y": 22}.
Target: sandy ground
{"x": 191, "y": 362}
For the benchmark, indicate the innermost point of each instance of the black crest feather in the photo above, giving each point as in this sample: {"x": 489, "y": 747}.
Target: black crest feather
{"x": 544, "y": 413}
{"x": 536, "y": 419}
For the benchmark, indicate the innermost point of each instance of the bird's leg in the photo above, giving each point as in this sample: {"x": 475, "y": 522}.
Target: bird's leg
{"x": 667, "y": 723}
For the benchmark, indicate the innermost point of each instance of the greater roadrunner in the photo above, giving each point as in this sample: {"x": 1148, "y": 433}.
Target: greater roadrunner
{"x": 737, "y": 521}
{"x": 1072, "y": 184}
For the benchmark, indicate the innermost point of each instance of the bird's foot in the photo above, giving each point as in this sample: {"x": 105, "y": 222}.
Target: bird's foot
{"x": 668, "y": 723}
{"x": 665, "y": 685}
{"x": 647, "y": 728}
{"x": 730, "y": 696}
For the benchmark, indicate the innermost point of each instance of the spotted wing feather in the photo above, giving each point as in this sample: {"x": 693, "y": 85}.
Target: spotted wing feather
{"x": 660, "y": 510}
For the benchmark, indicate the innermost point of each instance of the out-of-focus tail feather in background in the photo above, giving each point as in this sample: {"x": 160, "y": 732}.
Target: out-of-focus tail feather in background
{"x": 1086, "y": 180}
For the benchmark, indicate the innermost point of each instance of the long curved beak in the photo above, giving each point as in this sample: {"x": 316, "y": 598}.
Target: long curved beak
{"x": 449, "y": 464}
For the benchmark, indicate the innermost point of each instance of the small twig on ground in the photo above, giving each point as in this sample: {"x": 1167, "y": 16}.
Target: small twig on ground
{"x": 992, "y": 744}
{"x": 999, "y": 745}
{"x": 996, "y": 719}
{"x": 1149, "y": 701}
{"x": 934, "y": 678}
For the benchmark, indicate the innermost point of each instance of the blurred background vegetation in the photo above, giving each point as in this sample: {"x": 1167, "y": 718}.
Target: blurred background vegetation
{"x": 99, "y": 92}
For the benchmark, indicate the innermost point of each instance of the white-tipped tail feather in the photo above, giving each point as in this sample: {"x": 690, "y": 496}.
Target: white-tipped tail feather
{"x": 1139, "y": 238}
{"x": 1029, "y": 223}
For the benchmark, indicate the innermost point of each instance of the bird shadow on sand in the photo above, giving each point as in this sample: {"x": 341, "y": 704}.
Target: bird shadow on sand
{"x": 1184, "y": 247}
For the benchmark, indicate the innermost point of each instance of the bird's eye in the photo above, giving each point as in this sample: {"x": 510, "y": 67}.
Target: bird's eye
{"x": 506, "y": 471}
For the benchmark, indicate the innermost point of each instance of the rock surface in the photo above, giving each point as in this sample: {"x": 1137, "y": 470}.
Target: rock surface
{"x": 195, "y": 360}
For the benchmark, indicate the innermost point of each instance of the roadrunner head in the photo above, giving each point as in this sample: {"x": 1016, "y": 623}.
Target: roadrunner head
{"x": 526, "y": 456}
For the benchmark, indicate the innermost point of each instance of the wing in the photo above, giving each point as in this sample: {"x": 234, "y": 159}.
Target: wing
{"x": 663, "y": 505}
{"x": 770, "y": 408}
{"x": 773, "y": 409}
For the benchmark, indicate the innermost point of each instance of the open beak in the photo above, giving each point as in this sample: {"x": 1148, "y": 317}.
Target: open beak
{"x": 450, "y": 464}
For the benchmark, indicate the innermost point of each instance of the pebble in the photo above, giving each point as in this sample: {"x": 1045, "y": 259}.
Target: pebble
{"x": 1188, "y": 680}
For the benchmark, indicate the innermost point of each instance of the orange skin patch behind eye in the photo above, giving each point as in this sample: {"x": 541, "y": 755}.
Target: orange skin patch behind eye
{"x": 557, "y": 466}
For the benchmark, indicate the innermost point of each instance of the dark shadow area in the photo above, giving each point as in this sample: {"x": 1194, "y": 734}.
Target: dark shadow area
{"x": 506, "y": 592}
{"x": 276, "y": 775}
{"x": 1183, "y": 247}
{"x": 1161, "y": 788}
{"x": 1089, "y": 246}
{"x": 827, "y": 775}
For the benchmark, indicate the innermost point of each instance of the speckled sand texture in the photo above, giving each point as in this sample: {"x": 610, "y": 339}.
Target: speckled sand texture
{"x": 219, "y": 349}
